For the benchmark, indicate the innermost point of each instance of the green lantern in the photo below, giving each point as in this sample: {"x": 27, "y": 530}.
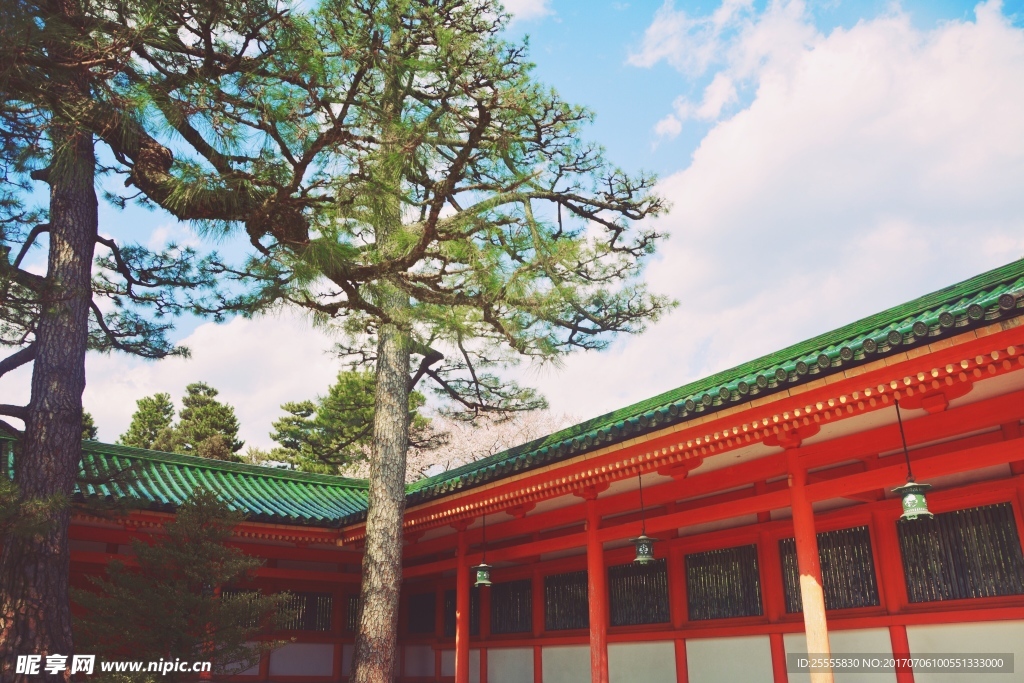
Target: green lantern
{"x": 914, "y": 503}
{"x": 644, "y": 548}
{"x": 911, "y": 493}
{"x": 483, "y": 574}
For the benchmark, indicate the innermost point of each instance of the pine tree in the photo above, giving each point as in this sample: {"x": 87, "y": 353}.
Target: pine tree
{"x": 54, "y": 60}
{"x": 171, "y": 605}
{"x": 89, "y": 429}
{"x": 152, "y": 415}
{"x": 206, "y": 427}
{"x": 418, "y": 186}
{"x": 334, "y": 433}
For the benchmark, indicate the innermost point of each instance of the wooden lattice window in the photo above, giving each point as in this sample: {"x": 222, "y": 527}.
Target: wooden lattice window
{"x": 309, "y": 611}
{"x": 847, "y": 570}
{"x": 249, "y": 596}
{"x": 723, "y": 583}
{"x": 638, "y": 593}
{"x": 973, "y": 553}
{"x": 565, "y": 601}
{"x": 352, "y": 614}
{"x": 421, "y": 610}
{"x": 450, "y": 602}
{"x": 512, "y": 607}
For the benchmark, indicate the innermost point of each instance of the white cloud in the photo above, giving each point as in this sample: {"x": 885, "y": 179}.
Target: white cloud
{"x": 180, "y": 234}
{"x": 524, "y": 10}
{"x": 743, "y": 45}
{"x": 870, "y": 166}
{"x": 669, "y": 127}
{"x": 256, "y": 364}
{"x": 691, "y": 44}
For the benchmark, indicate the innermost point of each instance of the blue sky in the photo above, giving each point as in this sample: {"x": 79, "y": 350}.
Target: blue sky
{"x": 825, "y": 160}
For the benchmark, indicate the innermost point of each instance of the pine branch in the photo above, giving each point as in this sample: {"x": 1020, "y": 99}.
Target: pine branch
{"x": 18, "y": 358}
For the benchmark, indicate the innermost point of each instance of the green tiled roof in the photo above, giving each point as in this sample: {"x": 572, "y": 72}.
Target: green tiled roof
{"x": 161, "y": 481}
{"x": 284, "y": 496}
{"x": 995, "y": 295}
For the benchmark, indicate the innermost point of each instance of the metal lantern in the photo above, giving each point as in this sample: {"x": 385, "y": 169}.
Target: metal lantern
{"x": 912, "y": 494}
{"x": 914, "y": 503}
{"x": 483, "y": 570}
{"x": 644, "y": 548}
{"x": 643, "y": 543}
{"x": 483, "y": 574}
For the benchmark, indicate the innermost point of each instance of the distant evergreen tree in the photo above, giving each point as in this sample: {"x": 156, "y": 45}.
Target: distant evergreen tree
{"x": 153, "y": 414}
{"x": 168, "y": 606}
{"x": 207, "y": 427}
{"x": 89, "y": 430}
{"x": 334, "y": 432}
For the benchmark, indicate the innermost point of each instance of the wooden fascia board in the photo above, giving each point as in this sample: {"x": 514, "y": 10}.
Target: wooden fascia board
{"x": 988, "y": 413}
{"x": 979, "y": 493}
{"x": 733, "y": 428}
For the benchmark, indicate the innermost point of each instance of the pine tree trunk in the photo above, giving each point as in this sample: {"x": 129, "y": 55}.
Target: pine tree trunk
{"x": 35, "y": 617}
{"x": 376, "y": 649}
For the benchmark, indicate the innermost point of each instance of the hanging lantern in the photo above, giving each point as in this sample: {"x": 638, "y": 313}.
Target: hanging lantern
{"x": 911, "y": 494}
{"x": 914, "y": 503}
{"x": 483, "y": 575}
{"x": 644, "y": 548}
{"x": 483, "y": 570}
{"x": 643, "y": 543}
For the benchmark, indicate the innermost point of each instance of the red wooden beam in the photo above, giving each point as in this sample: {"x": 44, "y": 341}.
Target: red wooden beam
{"x": 985, "y": 414}
{"x": 620, "y": 463}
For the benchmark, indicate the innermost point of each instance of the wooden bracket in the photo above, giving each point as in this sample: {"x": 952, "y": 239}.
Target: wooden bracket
{"x": 462, "y": 524}
{"x": 936, "y": 400}
{"x": 680, "y": 470}
{"x": 521, "y": 510}
{"x": 793, "y": 437}
{"x": 590, "y": 491}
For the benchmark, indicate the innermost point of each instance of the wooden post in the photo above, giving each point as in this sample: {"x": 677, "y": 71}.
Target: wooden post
{"x": 901, "y": 651}
{"x": 537, "y": 592}
{"x": 774, "y": 601}
{"x": 462, "y": 608}
{"x": 682, "y": 671}
{"x": 675, "y": 565}
{"x": 813, "y": 597}
{"x": 778, "y": 647}
{"x": 597, "y": 591}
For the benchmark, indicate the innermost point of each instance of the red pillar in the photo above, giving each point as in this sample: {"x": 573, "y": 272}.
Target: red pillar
{"x": 778, "y": 646}
{"x": 462, "y": 608}
{"x": 774, "y": 606}
{"x": 682, "y": 670}
{"x": 676, "y": 567}
{"x": 811, "y": 591}
{"x": 597, "y": 591}
{"x": 901, "y": 650}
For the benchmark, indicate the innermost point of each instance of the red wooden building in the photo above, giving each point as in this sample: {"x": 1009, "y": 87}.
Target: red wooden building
{"x": 768, "y": 487}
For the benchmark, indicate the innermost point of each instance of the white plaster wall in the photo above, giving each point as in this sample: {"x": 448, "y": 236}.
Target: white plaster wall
{"x": 858, "y": 641}
{"x": 347, "y": 654}
{"x": 566, "y": 664}
{"x": 727, "y": 660}
{"x": 511, "y": 665}
{"x": 987, "y": 636}
{"x": 419, "y": 660}
{"x": 233, "y": 668}
{"x": 644, "y": 662}
{"x": 448, "y": 664}
{"x": 303, "y": 659}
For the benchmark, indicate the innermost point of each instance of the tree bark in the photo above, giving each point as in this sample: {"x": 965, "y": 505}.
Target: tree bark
{"x": 376, "y": 648}
{"x": 35, "y": 616}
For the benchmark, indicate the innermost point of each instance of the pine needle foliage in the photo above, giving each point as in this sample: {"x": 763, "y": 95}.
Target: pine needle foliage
{"x": 166, "y": 604}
